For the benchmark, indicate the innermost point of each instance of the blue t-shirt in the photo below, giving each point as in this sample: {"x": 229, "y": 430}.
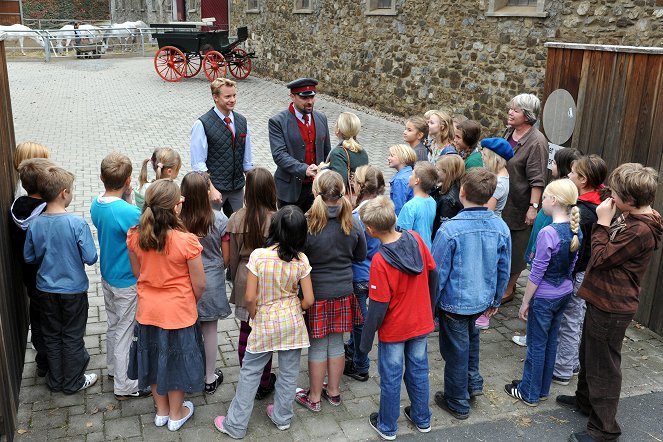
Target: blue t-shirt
{"x": 113, "y": 217}
{"x": 361, "y": 269}
{"x": 60, "y": 243}
{"x": 400, "y": 190}
{"x": 418, "y": 214}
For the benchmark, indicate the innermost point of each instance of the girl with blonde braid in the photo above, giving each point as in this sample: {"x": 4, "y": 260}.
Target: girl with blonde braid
{"x": 166, "y": 163}
{"x": 548, "y": 290}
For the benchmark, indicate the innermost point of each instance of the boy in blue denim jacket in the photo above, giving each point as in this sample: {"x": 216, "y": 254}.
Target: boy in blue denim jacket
{"x": 473, "y": 253}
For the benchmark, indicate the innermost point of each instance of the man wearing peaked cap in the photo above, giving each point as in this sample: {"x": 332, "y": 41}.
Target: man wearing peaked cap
{"x": 299, "y": 140}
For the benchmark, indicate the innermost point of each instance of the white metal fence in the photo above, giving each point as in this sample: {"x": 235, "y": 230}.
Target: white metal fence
{"x": 86, "y": 41}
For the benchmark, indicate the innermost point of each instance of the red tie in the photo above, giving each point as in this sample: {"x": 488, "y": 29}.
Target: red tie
{"x": 227, "y": 120}
{"x": 305, "y": 118}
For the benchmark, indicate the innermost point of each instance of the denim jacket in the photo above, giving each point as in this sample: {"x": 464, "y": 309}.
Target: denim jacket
{"x": 473, "y": 254}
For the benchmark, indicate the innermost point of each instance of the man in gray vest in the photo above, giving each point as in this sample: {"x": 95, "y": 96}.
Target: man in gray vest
{"x": 221, "y": 145}
{"x": 299, "y": 140}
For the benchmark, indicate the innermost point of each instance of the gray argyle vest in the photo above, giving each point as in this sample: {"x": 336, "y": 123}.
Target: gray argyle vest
{"x": 225, "y": 161}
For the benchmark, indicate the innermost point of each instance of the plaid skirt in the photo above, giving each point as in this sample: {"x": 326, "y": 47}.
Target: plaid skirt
{"x": 336, "y": 315}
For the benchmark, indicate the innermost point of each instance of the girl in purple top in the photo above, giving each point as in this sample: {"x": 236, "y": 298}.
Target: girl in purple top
{"x": 548, "y": 290}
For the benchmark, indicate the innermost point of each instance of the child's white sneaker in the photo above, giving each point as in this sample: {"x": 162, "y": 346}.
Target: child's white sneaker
{"x": 176, "y": 425}
{"x": 520, "y": 340}
{"x": 90, "y": 379}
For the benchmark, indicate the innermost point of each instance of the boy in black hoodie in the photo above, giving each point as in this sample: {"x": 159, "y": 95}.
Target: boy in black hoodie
{"x": 23, "y": 210}
{"x": 400, "y": 310}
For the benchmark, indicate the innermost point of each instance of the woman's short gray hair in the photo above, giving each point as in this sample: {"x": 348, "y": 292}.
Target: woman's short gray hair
{"x": 530, "y": 105}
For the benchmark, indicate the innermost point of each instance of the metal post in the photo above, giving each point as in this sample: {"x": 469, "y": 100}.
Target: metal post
{"x": 47, "y": 46}
{"x": 142, "y": 42}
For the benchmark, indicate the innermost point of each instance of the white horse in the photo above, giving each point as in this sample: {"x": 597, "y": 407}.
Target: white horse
{"x": 17, "y": 33}
{"x": 68, "y": 36}
{"x": 125, "y": 33}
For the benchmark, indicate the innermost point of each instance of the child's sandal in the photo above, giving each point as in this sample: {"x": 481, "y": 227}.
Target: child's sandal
{"x": 301, "y": 397}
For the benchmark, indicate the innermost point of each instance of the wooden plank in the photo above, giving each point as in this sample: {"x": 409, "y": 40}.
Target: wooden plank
{"x": 600, "y": 111}
{"x": 615, "y": 111}
{"x": 646, "y": 117}
{"x": 554, "y": 72}
{"x": 581, "y": 100}
{"x": 636, "y": 74}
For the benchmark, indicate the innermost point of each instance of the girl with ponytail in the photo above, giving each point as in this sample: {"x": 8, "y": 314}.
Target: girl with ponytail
{"x": 165, "y": 162}
{"x": 333, "y": 242}
{"x": 369, "y": 185}
{"x": 348, "y": 155}
{"x": 549, "y": 288}
{"x": 167, "y": 349}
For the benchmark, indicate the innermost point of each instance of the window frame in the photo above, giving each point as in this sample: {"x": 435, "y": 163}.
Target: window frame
{"x": 372, "y": 8}
{"x": 296, "y": 9}
{"x": 500, "y": 8}
{"x": 250, "y": 10}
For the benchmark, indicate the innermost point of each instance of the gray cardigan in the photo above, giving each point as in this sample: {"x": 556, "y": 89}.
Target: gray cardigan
{"x": 331, "y": 253}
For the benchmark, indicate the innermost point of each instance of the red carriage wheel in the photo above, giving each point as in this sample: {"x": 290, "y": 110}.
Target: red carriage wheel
{"x": 239, "y": 64}
{"x": 214, "y": 65}
{"x": 170, "y": 63}
{"x": 193, "y": 64}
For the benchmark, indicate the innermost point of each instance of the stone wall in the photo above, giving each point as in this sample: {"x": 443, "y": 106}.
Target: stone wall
{"x": 433, "y": 54}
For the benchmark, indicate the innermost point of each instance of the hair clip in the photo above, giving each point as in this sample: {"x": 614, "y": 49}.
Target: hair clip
{"x": 160, "y": 165}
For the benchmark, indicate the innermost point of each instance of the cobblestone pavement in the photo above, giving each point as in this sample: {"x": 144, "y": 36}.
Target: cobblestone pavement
{"x": 82, "y": 109}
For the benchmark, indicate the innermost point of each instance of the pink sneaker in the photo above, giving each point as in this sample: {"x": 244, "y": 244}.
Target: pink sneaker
{"x": 482, "y": 322}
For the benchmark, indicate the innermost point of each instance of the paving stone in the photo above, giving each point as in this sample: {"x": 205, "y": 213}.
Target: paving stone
{"x": 95, "y": 437}
{"x": 85, "y": 423}
{"x": 67, "y": 400}
{"x": 358, "y": 429}
{"x": 122, "y": 428}
{"x": 321, "y": 425}
{"x": 54, "y": 418}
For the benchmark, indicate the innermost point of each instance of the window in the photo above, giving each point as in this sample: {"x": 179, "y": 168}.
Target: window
{"x": 380, "y": 7}
{"x": 303, "y": 7}
{"x": 252, "y": 6}
{"x": 516, "y": 8}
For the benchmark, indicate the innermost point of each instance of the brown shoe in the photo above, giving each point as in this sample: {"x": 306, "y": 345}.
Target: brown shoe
{"x": 508, "y": 298}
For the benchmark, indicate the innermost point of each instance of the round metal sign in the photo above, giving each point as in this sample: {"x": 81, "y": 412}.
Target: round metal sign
{"x": 559, "y": 116}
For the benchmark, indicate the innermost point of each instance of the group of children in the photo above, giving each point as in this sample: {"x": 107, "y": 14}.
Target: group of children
{"x": 437, "y": 250}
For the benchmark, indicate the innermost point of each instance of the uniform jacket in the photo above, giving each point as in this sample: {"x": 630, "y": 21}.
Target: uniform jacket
{"x": 288, "y": 151}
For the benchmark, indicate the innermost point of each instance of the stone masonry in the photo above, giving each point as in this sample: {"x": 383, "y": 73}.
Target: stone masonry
{"x": 434, "y": 54}
{"x": 83, "y": 109}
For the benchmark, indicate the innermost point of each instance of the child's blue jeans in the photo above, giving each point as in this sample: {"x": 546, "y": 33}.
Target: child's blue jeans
{"x": 459, "y": 346}
{"x": 543, "y": 320}
{"x": 359, "y": 359}
{"x": 392, "y": 358}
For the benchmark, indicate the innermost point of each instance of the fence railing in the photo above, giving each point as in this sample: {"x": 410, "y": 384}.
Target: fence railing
{"x": 91, "y": 41}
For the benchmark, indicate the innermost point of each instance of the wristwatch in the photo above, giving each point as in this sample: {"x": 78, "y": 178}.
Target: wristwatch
{"x": 535, "y": 205}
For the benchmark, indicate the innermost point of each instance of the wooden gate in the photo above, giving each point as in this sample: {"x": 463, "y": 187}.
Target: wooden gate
{"x": 13, "y": 301}
{"x": 618, "y": 92}
{"x": 10, "y": 12}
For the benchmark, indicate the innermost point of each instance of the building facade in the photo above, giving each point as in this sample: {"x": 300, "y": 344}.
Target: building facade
{"x": 407, "y": 56}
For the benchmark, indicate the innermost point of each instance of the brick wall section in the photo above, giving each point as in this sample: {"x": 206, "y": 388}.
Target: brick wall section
{"x": 433, "y": 54}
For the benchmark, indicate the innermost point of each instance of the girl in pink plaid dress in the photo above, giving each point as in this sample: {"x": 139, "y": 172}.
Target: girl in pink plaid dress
{"x": 275, "y": 275}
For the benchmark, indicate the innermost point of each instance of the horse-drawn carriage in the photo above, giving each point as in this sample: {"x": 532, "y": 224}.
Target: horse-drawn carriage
{"x": 184, "y": 50}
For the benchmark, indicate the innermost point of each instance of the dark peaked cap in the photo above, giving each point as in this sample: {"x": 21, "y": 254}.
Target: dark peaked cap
{"x": 304, "y": 87}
